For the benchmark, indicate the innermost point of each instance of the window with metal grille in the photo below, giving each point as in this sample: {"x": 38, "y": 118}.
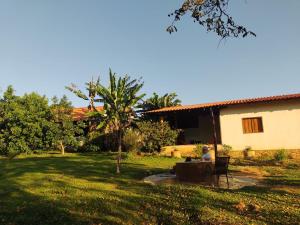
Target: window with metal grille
{"x": 252, "y": 125}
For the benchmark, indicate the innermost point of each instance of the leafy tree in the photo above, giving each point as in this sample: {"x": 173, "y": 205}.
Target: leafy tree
{"x": 24, "y": 122}
{"x": 28, "y": 123}
{"x": 120, "y": 99}
{"x": 10, "y": 139}
{"x": 35, "y": 121}
{"x": 65, "y": 131}
{"x": 212, "y": 15}
{"x": 157, "y": 102}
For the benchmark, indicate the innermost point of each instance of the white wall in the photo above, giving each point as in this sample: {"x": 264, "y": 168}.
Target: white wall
{"x": 281, "y": 124}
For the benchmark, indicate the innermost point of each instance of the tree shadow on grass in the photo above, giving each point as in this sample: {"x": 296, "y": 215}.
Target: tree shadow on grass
{"x": 86, "y": 190}
{"x": 69, "y": 190}
{"x": 282, "y": 180}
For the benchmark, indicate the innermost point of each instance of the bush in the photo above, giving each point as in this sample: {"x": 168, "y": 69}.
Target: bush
{"x": 246, "y": 151}
{"x": 198, "y": 150}
{"x": 156, "y": 135}
{"x": 132, "y": 140}
{"x": 94, "y": 137}
{"x": 226, "y": 149}
{"x": 93, "y": 148}
{"x": 280, "y": 155}
{"x": 104, "y": 142}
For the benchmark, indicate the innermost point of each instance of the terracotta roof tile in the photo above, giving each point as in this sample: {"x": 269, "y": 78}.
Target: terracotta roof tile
{"x": 225, "y": 103}
{"x": 81, "y": 113}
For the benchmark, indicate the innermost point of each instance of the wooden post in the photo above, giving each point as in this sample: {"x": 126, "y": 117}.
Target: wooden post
{"x": 175, "y": 121}
{"x": 214, "y": 131}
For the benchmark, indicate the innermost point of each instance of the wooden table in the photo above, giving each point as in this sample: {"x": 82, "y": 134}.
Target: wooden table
{"x": 195, "y": 171}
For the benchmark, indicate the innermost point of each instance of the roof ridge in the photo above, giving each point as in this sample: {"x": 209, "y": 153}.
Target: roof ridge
{"x": 228, "y": 102}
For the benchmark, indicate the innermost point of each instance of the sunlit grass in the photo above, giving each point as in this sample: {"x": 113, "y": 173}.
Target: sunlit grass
{"x": 84, "y": 189}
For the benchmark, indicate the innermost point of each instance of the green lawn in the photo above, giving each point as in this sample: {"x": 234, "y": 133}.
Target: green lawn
{"x": 84, "y": 189}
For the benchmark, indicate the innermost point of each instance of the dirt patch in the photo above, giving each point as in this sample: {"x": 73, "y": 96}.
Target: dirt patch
{"x": 254, "y": 172}
{"x": 236, "y": 181}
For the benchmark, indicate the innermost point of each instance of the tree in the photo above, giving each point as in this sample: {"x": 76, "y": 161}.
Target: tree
{"x": 212, "y": 15}
{"x": 24, "y": 122}
{"x": 11, "y": 141}
{"x": 35, "y": 120}
{"x": 64, "y": 129}
{"x": 119, "y": 100}
{"x": 91, "y": 88}
{"x": 157, "y": 102}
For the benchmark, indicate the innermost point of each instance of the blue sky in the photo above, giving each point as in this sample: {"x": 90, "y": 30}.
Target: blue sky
{"x": 47, "y": 44}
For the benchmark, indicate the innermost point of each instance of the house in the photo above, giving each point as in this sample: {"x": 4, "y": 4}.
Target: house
{"x": 81, "y": 113}
{"x": 265, "y": 123}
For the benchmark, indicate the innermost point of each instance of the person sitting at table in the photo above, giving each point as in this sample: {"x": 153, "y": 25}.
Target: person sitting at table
{"x": 205, "y": 154}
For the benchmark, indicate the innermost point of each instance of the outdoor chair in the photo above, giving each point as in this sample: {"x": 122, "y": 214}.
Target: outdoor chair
{"x": 221, "y": 167}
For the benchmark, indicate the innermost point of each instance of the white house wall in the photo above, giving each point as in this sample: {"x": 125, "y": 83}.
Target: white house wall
{"x": 281, "y": 125}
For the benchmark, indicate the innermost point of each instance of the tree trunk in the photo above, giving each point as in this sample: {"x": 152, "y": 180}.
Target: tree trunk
{"x": 62, "y": 147}
{"x": 119, "y": 150}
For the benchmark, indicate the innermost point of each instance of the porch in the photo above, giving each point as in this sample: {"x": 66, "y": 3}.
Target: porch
{"x": 197, "y": 125}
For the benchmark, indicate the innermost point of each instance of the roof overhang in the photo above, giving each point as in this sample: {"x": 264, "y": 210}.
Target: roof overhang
{"x": 226, "y": 103}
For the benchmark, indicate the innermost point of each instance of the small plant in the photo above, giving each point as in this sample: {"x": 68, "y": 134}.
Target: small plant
{"x": 280, "y": 155}
{"x": 198, "y": 150}
{"x": 248, "y": 148}
{"x": 226, "y": 149}
{"x": 248, "y": 152}
{"x": 176, "y": 153}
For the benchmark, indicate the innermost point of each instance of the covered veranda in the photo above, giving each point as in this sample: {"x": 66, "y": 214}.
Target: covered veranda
{"x": 198, "y": 124}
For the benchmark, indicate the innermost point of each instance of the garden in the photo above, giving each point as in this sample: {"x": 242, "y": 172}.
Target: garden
{"x": 55, "y": 170}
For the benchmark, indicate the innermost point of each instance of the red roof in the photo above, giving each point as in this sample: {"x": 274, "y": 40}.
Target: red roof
{"x": 81, "y": 113}
{"x": 226, "y": 103}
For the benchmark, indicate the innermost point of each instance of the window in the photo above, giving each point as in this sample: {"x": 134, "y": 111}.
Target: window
{"x": 252, "y": 125}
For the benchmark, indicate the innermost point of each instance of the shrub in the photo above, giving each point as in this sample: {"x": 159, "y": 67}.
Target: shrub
{"x": 280, "y": 155}
{"x": 93, "y": 148}
{"x": 94, "y": 137}
{"x": 198, "y": 149}
{"x": 104, "y": 142}
{"x": 132, "y": 140}
{"x": 246, "y": 150}
{"x": 226, "y": 149}
{"x": 156, "y": 135}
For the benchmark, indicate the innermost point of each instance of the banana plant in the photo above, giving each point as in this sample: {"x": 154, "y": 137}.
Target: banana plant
{"x": 120, "y": 101}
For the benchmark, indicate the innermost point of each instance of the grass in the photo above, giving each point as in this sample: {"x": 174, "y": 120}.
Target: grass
{"x": 84, "y": 189}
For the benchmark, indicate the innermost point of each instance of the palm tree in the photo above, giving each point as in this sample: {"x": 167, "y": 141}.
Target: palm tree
{"x": 120, "y": 99}
{"x": 157, "y": 102}
{"x": 92, "y": 92}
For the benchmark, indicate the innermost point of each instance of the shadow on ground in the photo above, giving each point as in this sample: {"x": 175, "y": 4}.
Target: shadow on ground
{"x": 85, "y": 190}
